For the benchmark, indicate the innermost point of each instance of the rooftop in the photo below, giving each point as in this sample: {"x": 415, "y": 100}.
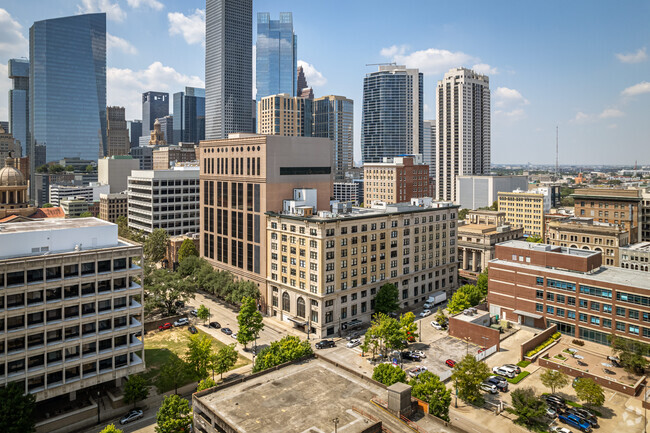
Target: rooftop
{"x": 52, "y": 224}
{"x": 548, "y": 248}
{"x": 472, "y": 315}
{"x": 643, "y": 247}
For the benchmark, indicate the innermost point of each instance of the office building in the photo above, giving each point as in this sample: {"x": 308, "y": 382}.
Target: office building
{"x": 116, "y": 132}
{"x": 72, "y": 310}
{"x": 334, "y": 119}
{"x": 67, "y": 87}
{"x": 540, "y": 285}
{"x": 244, "y": 177}
{"x": 636, "y": 257}
{"x": 164, "y": 199}
{"x": 428, "y": 146}
{"x": 74, "y": 207}
{"x": 477, "y": 235}
{"x": 324, "y": 268}
{"x": 144, "y": 154}
{"x": 525, "y": 209}
{"x": 135, "y": 132}
{"x": 189, "y": 116}
{"x": 396, "y": 180}
{"x": 228, "y": 68}
{"x": 174, "y": 245}
{"x": 89, "y": 193}
{"x": 113, "y": 206}
{"x": 275, "y": 56}
{"x": 462, "y": 129}
{"x": 392, "y": 117}
{"x": 474, "y": 192}
{"x": 167, "y": 128}
{"x": 304, "y": 91}
{"x": 18, "y": 71}
{"x": 154, "y": 106}
{"x": 285, "y": 115}
{"x": 351, "y": 191}
{"x": 156, "y": 135}
{"x": 615, "y": 206}
{"x": 166, "y": 157}
{"x": 9, "y": 146}
{"x": 114, "y": 170}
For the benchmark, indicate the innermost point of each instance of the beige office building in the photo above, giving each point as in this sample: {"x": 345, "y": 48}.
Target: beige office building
{"x": 113, "y": 206}
{"x": 165, "y": 158}
{"x": 286, "y": 115}
{"x": 116, "y": 132}
{"x": 115, "y": 170}
{"x": 396, "y": 180}
{"x": 525, "y": 209}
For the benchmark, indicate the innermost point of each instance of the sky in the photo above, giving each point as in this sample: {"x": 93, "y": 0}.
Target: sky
{"x": 582, "y": 65}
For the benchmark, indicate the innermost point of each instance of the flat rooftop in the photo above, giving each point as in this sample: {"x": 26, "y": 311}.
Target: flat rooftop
{"x": 548, "y": 248}
{"x": 365, "y": 212}
{"x": 643, "y": 247}
{"x": 473, "y": 317}
{"x": 52, "y": 224}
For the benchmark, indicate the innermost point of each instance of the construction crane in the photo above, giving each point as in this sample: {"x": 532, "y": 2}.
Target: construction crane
{"x": 382, "y": 64}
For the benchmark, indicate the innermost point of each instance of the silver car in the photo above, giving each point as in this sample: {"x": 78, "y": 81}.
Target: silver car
{"x": 131, "y": 416}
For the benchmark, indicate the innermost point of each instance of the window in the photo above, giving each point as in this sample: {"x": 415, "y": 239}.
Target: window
{"x": 549, "y": 309}
{"x": 539, "y": 281}
{"x": 595, "y": 320}
{"x": 561, "y": 285}
{"x": 620, "y": 326}
{"x": 633, "y": 329}
{"x": 583, "y": 317}
{"x": 539, "y": 307}
{"x": 620, "y": 311}
{"x": 595, "y": 306}
{"x": 595, "y": 291}
{"x": 550, "y": 296}
{"x": 583, "y": 303}
{"x": 571, "y": 314}
{"x": 286, "y": 302}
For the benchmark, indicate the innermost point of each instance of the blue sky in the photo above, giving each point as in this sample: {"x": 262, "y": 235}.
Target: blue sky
{"x": 581, "y": 65}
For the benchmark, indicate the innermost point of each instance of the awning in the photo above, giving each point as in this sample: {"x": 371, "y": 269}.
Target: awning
{"x": 527, "y": 314}
{"x": 297, "y": 321}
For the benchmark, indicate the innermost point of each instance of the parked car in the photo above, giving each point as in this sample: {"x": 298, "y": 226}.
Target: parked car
{"x": 131, "y": 416}
{"x": 551, "y": 413}
{"x": 513, "y": 367}
{"x": 585, "y": 415}
{"x": 425, "y": 313}
{"x": 488, "y": 387}
{"x": 416, "y": 371}
{"x": 503, "y": 372}
{"x": 436, "y": 325}
{"x": 353, "y": 336}
{"x": 575, "y": 421}
{"x": 555, "y": 402}
{"x": 214, "y": 325}
{"x": 182, "y": 322}
{"x": 165, "y": 326}
{"x": 450, "y": 363}
{"x": 558, "y": 429}
{"x": 234, "y": 335}
{"x": 353, "y": 343}
{"x": 324, "y": 344}
{"x": 501, "y": 385}
{"x": 419, "y": 353}
{"x": 194, "y": 312}
{"x": 411, "y": 356}
{"x": 192, "y": 330}
{"x": 226, "y": 331}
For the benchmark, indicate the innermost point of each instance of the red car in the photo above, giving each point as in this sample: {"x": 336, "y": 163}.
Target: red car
{"x": 165, "y": 326}
{"x": 450, "y": 363}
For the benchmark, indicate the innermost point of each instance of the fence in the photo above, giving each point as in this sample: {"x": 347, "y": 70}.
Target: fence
{"x": 484, "y": 354}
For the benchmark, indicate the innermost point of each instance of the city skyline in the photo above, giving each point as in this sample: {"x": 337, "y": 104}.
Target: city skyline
{"x": 558, "y": 69}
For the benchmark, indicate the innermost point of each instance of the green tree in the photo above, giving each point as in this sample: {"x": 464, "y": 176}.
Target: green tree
{"x": 164, "y": 288}
{"x": 205, "y": 384}
{"x": 462, "y": 214}
{"x": 111, "y": 429}
{"x": 388, "y": 374}
{"x": 428, "y": 387}
{"x": 199, "y": 355}
{"x": 554, "y": 379}
{"x": 409, "y": 326}
{"x": 187, "y": 249}
{"x": 528, "y": 408}
{"x": 286, "y": 349}
{"x": 173, "y": 374}
{"x": 386, "y": 333}
{"x": 459, "y": 301}
{"x": 42, "y": 169}
{"x": 90, "y": 168}
{"x": 387, "y": 299}
{"x": 85, "y": 214}
{"x": 135, "y": 389}
{"x": 250, "y": 321}
{"x": 69, "y": 168}
{"x": 364, "y": 346}
{"x": 535, "y": 239}
{"x": 441, "y": 318}
{"x": 155, "y": 246}
{"x": 56, "y": 168}
{"x": 16, "y": 410}
{"x": 631, "y": 353}
{"x": 467, "y": 376}
{"x": 482, "y": 282}
{"x": 224, "y": 360}
{"x": 47, "y": 205}
{"x": 123, "y": 227}
{"x": 589, "y": 391}
{"x": 203, "y": 313}
{"x": 174, "y": 416}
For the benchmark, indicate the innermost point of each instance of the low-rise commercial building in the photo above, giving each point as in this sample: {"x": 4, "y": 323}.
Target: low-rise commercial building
{"x": 74, "y": 207}
{"x": 395, "y": 180}
{"x": 90, "y": 193}
{"x": 635, "y": 257}
{"x": 526, "y": 209}
{"x": 349, "y": 191}
{"x": 174, "y": 244}
{"x": 113, "y": 206}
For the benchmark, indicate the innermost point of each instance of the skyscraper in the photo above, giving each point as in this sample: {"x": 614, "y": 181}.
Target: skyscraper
{"x": 285, "y": 115}
{"x": 189, "y": 116}
{"x": 463, "y": 129}
{"x": 67, "y": 86}
{"x": 167, "y": 128}
{"x": 117, "y": 135}
{"x": 228, "y": 67}
{"x": 154, "y": 106}
{"x": 303, "y": 89}
{"x": 428, "y": 146}
{"x": 391, "y": 122}
{"x": 275, "y": 54}
{"x": 19, "y": 101}
{"x": 334, "y": 119}
{"x": 135, "y": 131}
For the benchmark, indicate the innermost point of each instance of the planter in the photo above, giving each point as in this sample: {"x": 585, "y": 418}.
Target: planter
{"x": 541, "y": 352}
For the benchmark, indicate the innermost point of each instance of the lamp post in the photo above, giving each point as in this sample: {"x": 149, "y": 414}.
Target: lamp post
{"x": 98, "y": 403}
{"x": 456, "y": 386}
{"x": 336, "y": 424}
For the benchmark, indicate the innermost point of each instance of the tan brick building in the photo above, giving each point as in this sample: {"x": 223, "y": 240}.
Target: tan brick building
{"x": 112, "y": 206}
{"x": 396, "y": 180}
{"x": 116, "y": 132}
{"x": 165, "y": 157}
{"x": 286, "y": 115}
{"x": 525, "y": 209}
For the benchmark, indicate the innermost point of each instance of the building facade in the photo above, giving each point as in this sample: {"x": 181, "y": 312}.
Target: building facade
{"x": 114, "y": 170}
{"x": 174, "y": 245}
{"x": 189, "y": 116}
{"x": 462, "y": 129}
{"x": 303, "y": 89}
{"x": 117, "y": 133}
{"x": 9, "y": 146}
{"x": 275, "y": 56}
{"x": 113, "y": 206}
{"x": 135, "y": 132}
{"x": 13, "y": 192}
{"x": 144, "y": 154}
{"x": 428, "y": 146}
{"x": 392, "y": 116}
{"x": 167, "y": 128}
{"x": 286, "y": 115}
{"x": 166, "y": 157}
{"x": 18, "y": 71}
{"x": 396, "y": 180}
{"x": 71, "y": 311}
{"x": 348, "y": 192}
{"x": 89, "y": 193}
{"x": 474, "y": 192}
{"x": 540, "y": 285}
{"x": 229, "y": 107}
{"x": 636, "y": 257}
{"x": 154, "y": 106}
{"x": 525, "y": 209}
{"x": 334, "y": 119}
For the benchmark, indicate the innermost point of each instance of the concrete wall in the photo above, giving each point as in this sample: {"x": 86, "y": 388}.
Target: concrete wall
{"x": 474, "y": 333}
{"x": 538, "y": 339}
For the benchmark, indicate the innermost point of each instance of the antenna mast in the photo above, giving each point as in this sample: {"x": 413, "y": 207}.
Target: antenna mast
{"x": 557, "y": 152}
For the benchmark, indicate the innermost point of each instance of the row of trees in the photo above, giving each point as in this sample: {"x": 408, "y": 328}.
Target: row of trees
{"x": 58, "y": 168}
{"x": 287, "y": 349}
{"x": 386, "y": 333}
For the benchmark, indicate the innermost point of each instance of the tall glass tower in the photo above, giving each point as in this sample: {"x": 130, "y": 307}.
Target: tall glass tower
{"x": 67, "y": 87}
{"x": 276, "y": 59}
{"x": 19, "y": 101}
{"x": 334, "y": 119}
{"x": 189, "y": 115}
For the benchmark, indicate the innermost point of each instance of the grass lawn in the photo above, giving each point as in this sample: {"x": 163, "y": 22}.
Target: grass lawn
{"x": 523, "y": 364}
{"x": 560, "y": 356}
{"x": 518, "y": 378}
{"x": 162, "y": 346}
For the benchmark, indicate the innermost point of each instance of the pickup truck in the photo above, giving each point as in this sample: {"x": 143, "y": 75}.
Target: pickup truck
{"x": 576, "y": 422}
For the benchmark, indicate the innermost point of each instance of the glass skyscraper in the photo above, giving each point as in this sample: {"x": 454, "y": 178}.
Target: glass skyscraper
{"x": 334, "y": 119}
{"x": 392, "y": 116}
{"x": 67, "y": 87}
{"x": 189, "y": 115}
{"x": 19, "y": 101}
{"x": 154, "y": 106}
{"x": 276, "y": 60}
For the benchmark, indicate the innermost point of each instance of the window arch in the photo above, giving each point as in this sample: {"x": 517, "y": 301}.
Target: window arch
{"x": 300, "y": 307}
{"x": 286, "y": 302}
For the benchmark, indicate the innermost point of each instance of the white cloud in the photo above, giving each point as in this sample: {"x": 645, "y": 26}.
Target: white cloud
{"x": 433, "y": 61}
{"x": 116, "y": 43}
{"x": 394, "y": 51}
{"x": 153, "y": 4}
{"x": 637, "y": 89}
{"x": 485, "y": 69}
{"x": 124, "y": 87}
{"x": 13, "y": 42}
{"x": 113, "y": 10}
{"x": 312, "y": 75}
{"x": 639, "y": 56}
{"x": 191, "y": 27}
{"x": 609, "y": 113}
{"x": 504, "y": 97}
{"x": 580, "y": 117}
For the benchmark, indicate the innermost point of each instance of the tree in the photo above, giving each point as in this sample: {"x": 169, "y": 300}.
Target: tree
{"x": 468, "y": 375}
{"x": 85, "y": 214}
{"x": 387, "y": 299}
{"x": 56, "y": 168}
{"x": 441, "y": 318}
{"x": 462, "y": 214}
{"x": 589, "y": 391}
{"x": 111, "y": 429}
{"x": 173, "y": 373}
{"x": 174, "y": 416}
{"x": 16, "y": 410}
{"x": 205, "y": 384}
{"x": 482, "y": 282}
{"x": 408, "y": 326}
{"x": 249, "y": 320}
{"x": 69, "y": 168}
{"x": 47, "y": 205}
{"x": 155, "y": 246}
{"x": 286, "y": 349}
{"x": 459, "y": 301}
{"x": 203, "y": 313}
{"x": 528, "y": 408}
{"x": 187, "y": 249}
{"x": 631, "y": 353}
{"x": 388, "y": 374}
{"x": 90, "y": 168}
{"x": 428, "y": 387}
{"x": 224, "y": 360}
{"x": 199, "y": 355}
{"x": 554, "y": 379}
{"x": 42, "y": 169}
{"x": 535, "y": 239}
{"x": 364, "y": 346}
{"x": 135, "y": 389}
{"x": 386, "y": 333}
{"x": 163, "y": 289}
{"x": 123, "y": 227}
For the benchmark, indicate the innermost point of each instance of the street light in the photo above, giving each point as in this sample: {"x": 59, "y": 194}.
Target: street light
{"x": 336, "y": 424}
{"x": 98, "y": 403}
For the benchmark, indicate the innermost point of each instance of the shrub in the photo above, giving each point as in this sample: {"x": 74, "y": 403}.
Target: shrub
{"x": 556, "y": 336}
{"x": 523, "y": 364}
{"x": 578, "y": 342}
{"x": 518, "y": 378}
{"x": 544, "y": 345}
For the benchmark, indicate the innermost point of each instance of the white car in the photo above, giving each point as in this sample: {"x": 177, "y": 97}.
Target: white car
{"x": 419, "y": 353}
{"x": 489, "y": 388}
{"x": 234, "y": 335}
{"x": 557, "y": 429}
{"x": 503, "y": 372}
{"x": 131, "y": 416}
{"x": 425, "y": 313}
{"x": 416, "y": 371}
{"x": 353, "y": 343}
{"x": 182, "y": 322}
{"x": 436, "y": 325}
{"x": 428, "y": 305}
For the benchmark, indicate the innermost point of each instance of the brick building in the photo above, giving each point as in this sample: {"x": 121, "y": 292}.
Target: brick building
{"x": 396, "y": 180}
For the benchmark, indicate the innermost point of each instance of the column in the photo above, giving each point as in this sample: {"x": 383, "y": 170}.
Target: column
{"x": 465, "y": 257}
{"x": 475, "y": 255}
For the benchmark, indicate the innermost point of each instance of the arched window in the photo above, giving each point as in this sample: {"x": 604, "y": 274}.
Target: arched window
{"x": 585, "y": 247}
{"x": 301, "y": 307}
{"x": 286, "y": 302}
